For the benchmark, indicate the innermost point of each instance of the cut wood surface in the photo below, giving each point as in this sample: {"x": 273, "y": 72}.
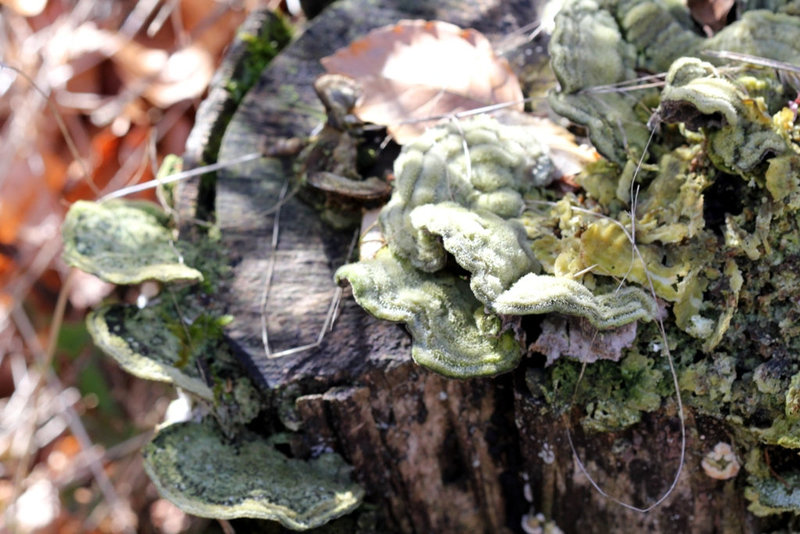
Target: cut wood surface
{"x": 435, "y": 455}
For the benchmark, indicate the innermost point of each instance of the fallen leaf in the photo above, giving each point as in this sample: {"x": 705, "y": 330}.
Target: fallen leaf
{"x": 711, "y": 14}
{"x": 419, "y": 69}
{"x": 577, "y": 338}
{"x": 168, "y": 78}
{"x": 26, "y": 8}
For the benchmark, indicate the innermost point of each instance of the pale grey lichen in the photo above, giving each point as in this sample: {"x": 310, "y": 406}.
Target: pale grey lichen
{"x": 713, "y": 202}
{"x": 196, "y": 467}
{"x": 123, "y": 242}
{"x": 770, "y": 495}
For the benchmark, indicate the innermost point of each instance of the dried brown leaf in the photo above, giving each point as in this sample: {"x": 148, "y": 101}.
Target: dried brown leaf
{"x": 577, "y": 338}
{"x": 26, "y": 8}
{"x": 418, "y": 69}
{"x": 711, "y": 14}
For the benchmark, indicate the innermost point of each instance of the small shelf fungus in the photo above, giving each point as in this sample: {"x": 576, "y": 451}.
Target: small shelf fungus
{"x": 196, "y": 467}
{"x": 141, "y": 342}
{"x": 721, "y": 462}
{"x": 123, "y": 242}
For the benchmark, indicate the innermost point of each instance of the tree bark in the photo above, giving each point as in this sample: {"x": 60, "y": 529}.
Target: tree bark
{"x": 434, "y": 454}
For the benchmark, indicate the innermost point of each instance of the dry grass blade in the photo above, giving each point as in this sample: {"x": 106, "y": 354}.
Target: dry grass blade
{"x": 630, "y": 234}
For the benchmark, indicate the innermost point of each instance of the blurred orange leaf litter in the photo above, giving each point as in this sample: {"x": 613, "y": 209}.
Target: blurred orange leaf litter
{"x": 417, "y": 69}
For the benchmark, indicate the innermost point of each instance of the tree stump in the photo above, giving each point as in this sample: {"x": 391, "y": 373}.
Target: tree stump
{"x": 434, "y": 454}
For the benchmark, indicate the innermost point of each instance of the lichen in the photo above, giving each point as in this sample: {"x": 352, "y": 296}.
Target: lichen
{"x": 123, "y": 242}
{"x": 770, "y": 496}
{"x": 196, "y": 467}
{"x": 712, "y": 206}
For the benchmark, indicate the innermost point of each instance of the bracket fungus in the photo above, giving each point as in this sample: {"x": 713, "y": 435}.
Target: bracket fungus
{"x": 123, "y": 242}
{"x": 453, "y": 334}
{"x": 696, "y": 203}
{"x": 217, "y": 467}
{"x": 478, "y": 164}
{"x": 461, "y": 193}
{"x": 645, "y": 35}
{"x": 144, "y": 346}
{"x": 184, "y": 460}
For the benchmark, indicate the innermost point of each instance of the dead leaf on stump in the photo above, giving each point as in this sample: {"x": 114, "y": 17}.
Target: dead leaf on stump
{"x": 576, "y": 338}
{"x": 418, "y": 69}
{"x": 711, "y": 14}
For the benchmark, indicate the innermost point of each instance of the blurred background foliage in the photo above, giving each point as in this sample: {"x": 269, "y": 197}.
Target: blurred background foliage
{"x": 93, "y": 96}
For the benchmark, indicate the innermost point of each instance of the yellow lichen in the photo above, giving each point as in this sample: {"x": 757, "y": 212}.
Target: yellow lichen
{"x": 606, "y": 245}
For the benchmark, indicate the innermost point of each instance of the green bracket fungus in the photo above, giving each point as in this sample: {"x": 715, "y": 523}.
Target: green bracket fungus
{"x": 740, "y": 132}
{"x": 613, "y": 123}
{"x": 505, "y": 255}
{"x": 143, "y": 345}
{"x": 123, "y": 242}
{"x": 538, "y": 294}
{"x": 648, "y": 35}
{"x": 478, "y": 163}
{"x": 453, "y": 335}
{"x": 185, "y": 461}
{"x": 154, "y": 343}
{"x": 444, "y": 207}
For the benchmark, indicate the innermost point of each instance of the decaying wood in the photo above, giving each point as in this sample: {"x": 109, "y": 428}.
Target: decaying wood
{"x": 435, "y": 455}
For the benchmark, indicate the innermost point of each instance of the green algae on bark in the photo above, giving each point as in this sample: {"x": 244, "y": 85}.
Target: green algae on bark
{"x": 204, "y": 473}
